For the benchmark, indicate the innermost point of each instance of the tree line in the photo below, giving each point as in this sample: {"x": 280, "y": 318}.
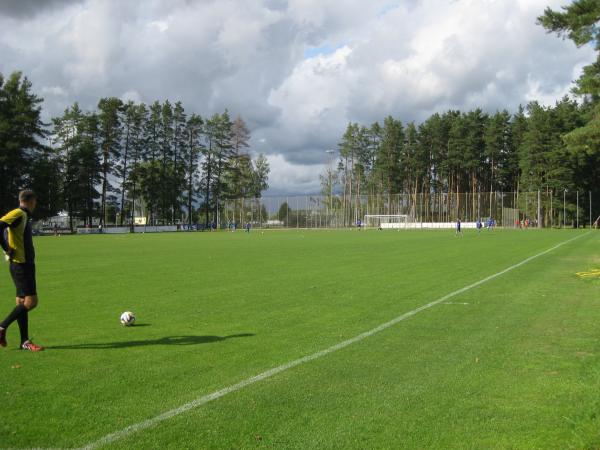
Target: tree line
{"x": 550, "y": 149}
{"x": 462, "y": 152}
{"x": 124, "y": 159}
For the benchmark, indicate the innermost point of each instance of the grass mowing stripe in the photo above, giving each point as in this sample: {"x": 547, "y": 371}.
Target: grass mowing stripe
{"x": 269, "y": 373}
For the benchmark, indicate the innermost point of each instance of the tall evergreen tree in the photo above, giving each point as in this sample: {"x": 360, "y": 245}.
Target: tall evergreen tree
{"x": 222, "y": 154}
{"x": 192, "y": 150}
{"x": 260, "y": 178}
{"x": 177, "y": 182}
{"x": 111, "y": 132}
{"x": 22, "y": 134}
{"x": 138, "y": 145}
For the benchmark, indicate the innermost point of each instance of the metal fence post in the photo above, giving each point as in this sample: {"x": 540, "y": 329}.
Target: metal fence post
{"x": 590, "y": 197}
{"x": 551, "y": 211}
{"x": 577, "y": 215}
{"x": 564, "y": 220}
{"x": 539, "y": 210}
{"x": 502, "y": 210}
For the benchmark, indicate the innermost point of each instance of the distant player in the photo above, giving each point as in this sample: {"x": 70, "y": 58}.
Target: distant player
{"x": 479, "y": 225}
{"x": 359, "y": 224}
{"x": 248, "y": 227}
{"x": 17, "y": 242}
{"x": 458, "y": 228}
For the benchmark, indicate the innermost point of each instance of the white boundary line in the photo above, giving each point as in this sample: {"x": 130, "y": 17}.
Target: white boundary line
{"x": 118, "y": 435}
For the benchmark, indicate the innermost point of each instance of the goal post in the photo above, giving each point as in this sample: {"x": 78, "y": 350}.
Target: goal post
{"x": 386, "y": 221}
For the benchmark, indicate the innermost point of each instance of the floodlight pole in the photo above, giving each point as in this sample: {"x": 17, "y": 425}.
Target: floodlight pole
{"x": 564, "y": 208}
{"x": 590, "y": 197}
{"x": 539, "y": 209}
{"x": 577, "y": 215}
{"x": 330, "y": 170}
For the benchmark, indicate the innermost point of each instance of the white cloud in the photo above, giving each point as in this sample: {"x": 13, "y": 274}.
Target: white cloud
{"x": 367, "y": 60}
{"x": 291, "y": 178}
{"x": 56, "y": 91}
{"x": 132, "y": 95}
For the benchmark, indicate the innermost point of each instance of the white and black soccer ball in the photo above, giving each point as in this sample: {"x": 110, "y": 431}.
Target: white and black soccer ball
{"x": 127, "y": 318}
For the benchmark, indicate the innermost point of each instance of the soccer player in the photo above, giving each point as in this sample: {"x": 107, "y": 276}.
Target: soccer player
{"x": 479, "y": 225}
{"x": 17, "y": 242}
{"x": 458, "y": 228}
{"x": 248, "y": 227}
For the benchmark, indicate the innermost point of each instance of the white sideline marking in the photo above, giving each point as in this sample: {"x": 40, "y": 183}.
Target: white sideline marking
{"x": 117, "y": 435}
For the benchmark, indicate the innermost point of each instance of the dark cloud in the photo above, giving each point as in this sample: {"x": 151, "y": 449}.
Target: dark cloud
{"x": 21, "y": 9}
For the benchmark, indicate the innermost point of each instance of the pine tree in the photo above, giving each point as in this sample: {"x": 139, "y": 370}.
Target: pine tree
{"x": 123, "y": 167}
{"x": 192, "y": 150}
{"x": 579, "y": 22}
{"x": 139, "y": 118}
{"x": 111, "y": 132}
{"x": 166, "y": 134}
{"x": 21, "y": 135}
{"x": 223, "y": 153}
{"x": 150, "y": 173}
{"x": 240, "y": 173}
{"x": 260, "y": 177}
{"x": 177, "y": 181}
{"x": 208, "y": 164}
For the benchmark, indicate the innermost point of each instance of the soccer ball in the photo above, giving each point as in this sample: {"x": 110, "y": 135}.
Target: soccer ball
{"x": 127, "y": 318}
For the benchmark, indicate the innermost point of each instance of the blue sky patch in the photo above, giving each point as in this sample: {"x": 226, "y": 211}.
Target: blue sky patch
{"x": 326, "y": 49}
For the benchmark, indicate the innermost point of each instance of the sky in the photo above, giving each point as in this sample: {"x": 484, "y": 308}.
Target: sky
{"x": 297, "y": 71}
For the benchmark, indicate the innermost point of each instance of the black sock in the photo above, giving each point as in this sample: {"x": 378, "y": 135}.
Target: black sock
{"x": 23, "y": 321}
{"x": 14, "y": 315}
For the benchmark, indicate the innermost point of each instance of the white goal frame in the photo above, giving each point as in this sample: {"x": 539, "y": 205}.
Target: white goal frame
{"x": 386, "y": 221}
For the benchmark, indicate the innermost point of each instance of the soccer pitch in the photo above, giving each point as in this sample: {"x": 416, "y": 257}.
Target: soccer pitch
{"x": 512, "y": 362}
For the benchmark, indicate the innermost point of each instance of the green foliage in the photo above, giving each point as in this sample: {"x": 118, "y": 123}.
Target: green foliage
{"x": 260, "y": 175}
{"x": 578, "y": 22}
{"x": 23, "y": 155}
{"x": 472, "y": 152}
{"x": 284, "y": 213}
{"x": 130, "y": 160}
{"x": 109, "y": 110}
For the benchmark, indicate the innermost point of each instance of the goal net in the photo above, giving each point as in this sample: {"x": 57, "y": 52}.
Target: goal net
{"x": 386, "y": 222}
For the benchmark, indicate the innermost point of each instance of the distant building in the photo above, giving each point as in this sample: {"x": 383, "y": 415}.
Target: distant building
{"x": 59, "y": 221}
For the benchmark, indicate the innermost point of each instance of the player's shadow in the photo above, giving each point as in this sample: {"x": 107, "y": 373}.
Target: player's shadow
{"x": 167, "y": 340}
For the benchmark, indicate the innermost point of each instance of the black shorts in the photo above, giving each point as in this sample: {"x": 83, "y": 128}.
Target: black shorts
{"x": 23, "y": 276}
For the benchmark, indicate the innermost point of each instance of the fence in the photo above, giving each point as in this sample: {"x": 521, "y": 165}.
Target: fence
{"x": 508, "y": 209}
{"x": 423, "y": 210}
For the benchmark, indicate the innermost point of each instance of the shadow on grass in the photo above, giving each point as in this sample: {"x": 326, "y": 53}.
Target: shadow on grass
{"x": 168, "y": 340}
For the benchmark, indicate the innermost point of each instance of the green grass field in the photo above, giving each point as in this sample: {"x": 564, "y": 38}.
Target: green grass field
{"x": 513, "y": 363}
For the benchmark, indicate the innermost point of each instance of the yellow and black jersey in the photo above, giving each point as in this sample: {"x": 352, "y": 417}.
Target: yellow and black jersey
{"x": 15, "y": 234}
